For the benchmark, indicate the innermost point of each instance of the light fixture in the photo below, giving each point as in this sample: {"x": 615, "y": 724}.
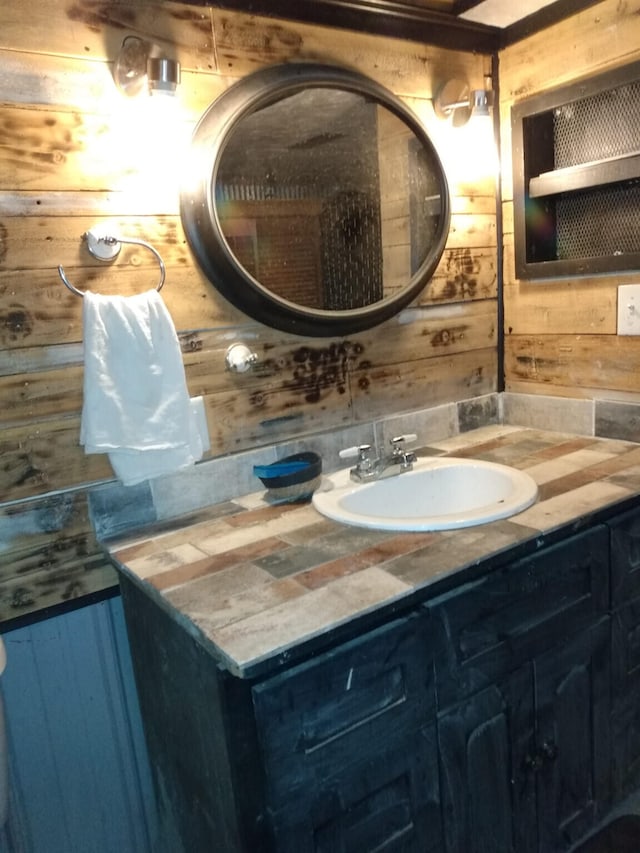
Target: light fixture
{"x": 163, "y": 74}
{"x": 135, "y": 67}
{"x": 457, "y": 102}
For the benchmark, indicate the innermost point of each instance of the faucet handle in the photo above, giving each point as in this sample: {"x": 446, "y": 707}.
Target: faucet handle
{"x": 399, "y": 440}
{"x": 366, "y": 460}
{"x": 360, "y": 450}
{"x": 405, "y": 457}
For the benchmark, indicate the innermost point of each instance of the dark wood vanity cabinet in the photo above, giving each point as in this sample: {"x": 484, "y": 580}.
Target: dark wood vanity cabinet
{"x": 477, "y": 723}
{"x": 334, "y": 755}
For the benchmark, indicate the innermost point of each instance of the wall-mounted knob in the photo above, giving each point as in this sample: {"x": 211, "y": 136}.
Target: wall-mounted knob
{"x": 239, "y": 358}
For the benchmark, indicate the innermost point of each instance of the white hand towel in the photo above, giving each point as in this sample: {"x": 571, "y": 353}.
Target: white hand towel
{"x": 136, "y": 405}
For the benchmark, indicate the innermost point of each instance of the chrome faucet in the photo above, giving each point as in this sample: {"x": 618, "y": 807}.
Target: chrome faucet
{"x": 374, "y": 466}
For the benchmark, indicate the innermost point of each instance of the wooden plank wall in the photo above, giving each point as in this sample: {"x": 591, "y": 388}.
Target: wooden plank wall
{"x": 74, "y": 153}
{"x": 560, "y": 336}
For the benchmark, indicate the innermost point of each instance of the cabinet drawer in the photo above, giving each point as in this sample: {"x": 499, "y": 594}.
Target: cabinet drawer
{"x": 316, "y": 719}
{"x": 390, "y": 803}
{"x": 625, "y": 557}
{"x": 489, "y": 627}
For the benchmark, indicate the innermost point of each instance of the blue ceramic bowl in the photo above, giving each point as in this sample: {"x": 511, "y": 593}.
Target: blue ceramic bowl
{"x": 290, "y": 471}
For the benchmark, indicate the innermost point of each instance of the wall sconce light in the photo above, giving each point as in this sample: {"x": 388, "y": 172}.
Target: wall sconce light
{"x": 457, "y": 102}
{"x": 163, "y": 74}
{"x": 135, "y": 67}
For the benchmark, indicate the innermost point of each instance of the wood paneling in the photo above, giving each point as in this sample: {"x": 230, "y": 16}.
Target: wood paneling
{"x": 574, "y": 361}
{"x": 74, "y": 153}
{"x": 79, "y": 769}
{"x": 560, "y": 335}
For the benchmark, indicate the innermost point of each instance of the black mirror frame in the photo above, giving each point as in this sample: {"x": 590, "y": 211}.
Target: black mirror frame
{"x": 202, "y": 226}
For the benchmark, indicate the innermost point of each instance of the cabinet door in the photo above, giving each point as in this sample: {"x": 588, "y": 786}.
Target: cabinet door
{"x": 625, "y": 647}
{"x": 487, "y": 755}
{"x": 625, "y": 557}
{"x": 525, "y": 762}
{"x": 625, "y": 694}
{"x": 315, "y": 719}
{"x": 343, "y": 734}
{"x": 573, "y": 737}
{"x": 388, "y": 803}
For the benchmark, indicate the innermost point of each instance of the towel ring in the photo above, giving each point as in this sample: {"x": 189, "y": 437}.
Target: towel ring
{"x": 107, "y": 248}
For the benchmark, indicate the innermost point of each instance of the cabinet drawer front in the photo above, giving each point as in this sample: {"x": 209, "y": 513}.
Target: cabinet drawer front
{"x": 625, "y": 557}
{"x": 390, "y": 804}
{"x": 490, "y": 627}
{"x": 315, "y": 719}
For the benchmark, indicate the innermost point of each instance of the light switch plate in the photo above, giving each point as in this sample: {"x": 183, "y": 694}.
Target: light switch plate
{"x": 629, "y": 309}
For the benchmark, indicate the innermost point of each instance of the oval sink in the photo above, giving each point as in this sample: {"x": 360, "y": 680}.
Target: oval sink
{"x": 440, "y": 493}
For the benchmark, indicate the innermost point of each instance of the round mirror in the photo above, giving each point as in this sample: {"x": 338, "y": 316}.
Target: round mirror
{"x": 319, "y": 205}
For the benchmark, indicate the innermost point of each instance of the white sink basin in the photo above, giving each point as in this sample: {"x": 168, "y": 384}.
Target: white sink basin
{"x": 441, "y": 493}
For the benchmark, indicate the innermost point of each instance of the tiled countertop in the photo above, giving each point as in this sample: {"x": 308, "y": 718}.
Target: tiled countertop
{"x": 258, "y": 584}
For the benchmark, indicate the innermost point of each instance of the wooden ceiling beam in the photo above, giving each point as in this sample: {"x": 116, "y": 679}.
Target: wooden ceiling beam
{"x": 546, "y": 17}
{"x": 391, "y": 18}
{"x": 397, "y": 19}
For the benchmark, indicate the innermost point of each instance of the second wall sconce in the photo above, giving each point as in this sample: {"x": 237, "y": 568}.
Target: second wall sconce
{"x": 458, "y": 102}
{"x": 135, "y": 67}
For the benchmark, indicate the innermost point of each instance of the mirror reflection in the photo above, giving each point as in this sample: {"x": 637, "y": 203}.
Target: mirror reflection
{"x": 318, "y": 205}
{"x": 328, "y": 199}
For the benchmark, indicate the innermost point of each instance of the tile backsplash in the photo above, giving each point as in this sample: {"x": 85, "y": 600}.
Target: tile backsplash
{"x": 116, "y": 509}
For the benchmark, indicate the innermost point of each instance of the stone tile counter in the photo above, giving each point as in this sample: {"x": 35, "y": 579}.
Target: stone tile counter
{"x": 258, "y": 584}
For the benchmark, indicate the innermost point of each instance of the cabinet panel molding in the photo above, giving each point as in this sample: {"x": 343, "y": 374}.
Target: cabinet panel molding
{"x": 492, "y": 732}
{"x": 493, "y": 625}
{"x": 319, "y": 715}
{"x": 573, "y": 720}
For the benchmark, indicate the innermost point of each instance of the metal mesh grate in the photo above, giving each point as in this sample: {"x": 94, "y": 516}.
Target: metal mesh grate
{"x": 598, "y": 223}
{"x": 601, "y": 222}
{"x": 600, "y": 126}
